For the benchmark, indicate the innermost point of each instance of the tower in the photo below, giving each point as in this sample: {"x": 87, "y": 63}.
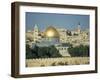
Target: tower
{"x": 78, "y": 28}
{"x": 36, "y": 32}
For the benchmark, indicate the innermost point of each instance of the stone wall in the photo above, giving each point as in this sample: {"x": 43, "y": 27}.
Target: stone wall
{"x": 57, "y": 61}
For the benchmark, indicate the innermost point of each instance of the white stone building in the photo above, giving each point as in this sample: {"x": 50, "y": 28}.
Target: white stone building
{"x": 35, "y": 33}
{"x": 63, "y": 50}
{"x": 62, "y": 35}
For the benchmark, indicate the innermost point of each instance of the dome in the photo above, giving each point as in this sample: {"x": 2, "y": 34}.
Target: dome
{"x": 51, "y": 32}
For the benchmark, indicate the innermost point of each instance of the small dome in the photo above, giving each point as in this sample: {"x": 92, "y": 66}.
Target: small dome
{"x": 51, "y": 32}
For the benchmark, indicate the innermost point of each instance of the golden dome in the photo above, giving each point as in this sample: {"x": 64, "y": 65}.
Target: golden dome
{"x": 51, "y": 32}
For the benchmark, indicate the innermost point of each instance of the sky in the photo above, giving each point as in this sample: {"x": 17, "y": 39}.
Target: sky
{"x": 68, "y": 21}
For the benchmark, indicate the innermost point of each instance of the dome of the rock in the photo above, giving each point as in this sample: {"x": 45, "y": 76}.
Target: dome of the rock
{"x": 51, "y": 32}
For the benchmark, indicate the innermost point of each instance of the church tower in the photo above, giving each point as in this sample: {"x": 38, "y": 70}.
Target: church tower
{"x": 79, "y": 28}
{"x": 36, "y": 32}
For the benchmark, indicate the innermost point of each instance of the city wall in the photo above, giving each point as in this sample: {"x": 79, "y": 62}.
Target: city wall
{"x": 57, "y": 61}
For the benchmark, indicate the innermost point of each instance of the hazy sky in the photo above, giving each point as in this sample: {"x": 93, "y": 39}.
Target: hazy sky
{"x": 68, "y": 21}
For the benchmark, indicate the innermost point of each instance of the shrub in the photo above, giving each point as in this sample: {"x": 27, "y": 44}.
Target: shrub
{"x": 79, "y": 51}
{"x": 42, "y": 52}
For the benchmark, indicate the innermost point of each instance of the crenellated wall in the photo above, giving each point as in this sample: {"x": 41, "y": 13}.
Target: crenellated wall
{"x": 57, "y": 61}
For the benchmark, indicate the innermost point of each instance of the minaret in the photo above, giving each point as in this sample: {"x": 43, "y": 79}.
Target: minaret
{"x": 36, "y": 32}
{"x": 79, "y": 28}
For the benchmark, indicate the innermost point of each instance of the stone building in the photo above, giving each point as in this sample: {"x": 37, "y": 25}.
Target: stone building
{"x": 58, "y": 36}
{"x": 36, "y": 33}
{"x": 62, "y": 35}
{"x": 63, "y": 50}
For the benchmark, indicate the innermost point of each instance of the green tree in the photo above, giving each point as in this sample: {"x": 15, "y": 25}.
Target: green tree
{"x": 42, "y": 52}
{"x": 79, "y": 51}
{"x": 31, "y": 53}
{"x": 54, "y": 52}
